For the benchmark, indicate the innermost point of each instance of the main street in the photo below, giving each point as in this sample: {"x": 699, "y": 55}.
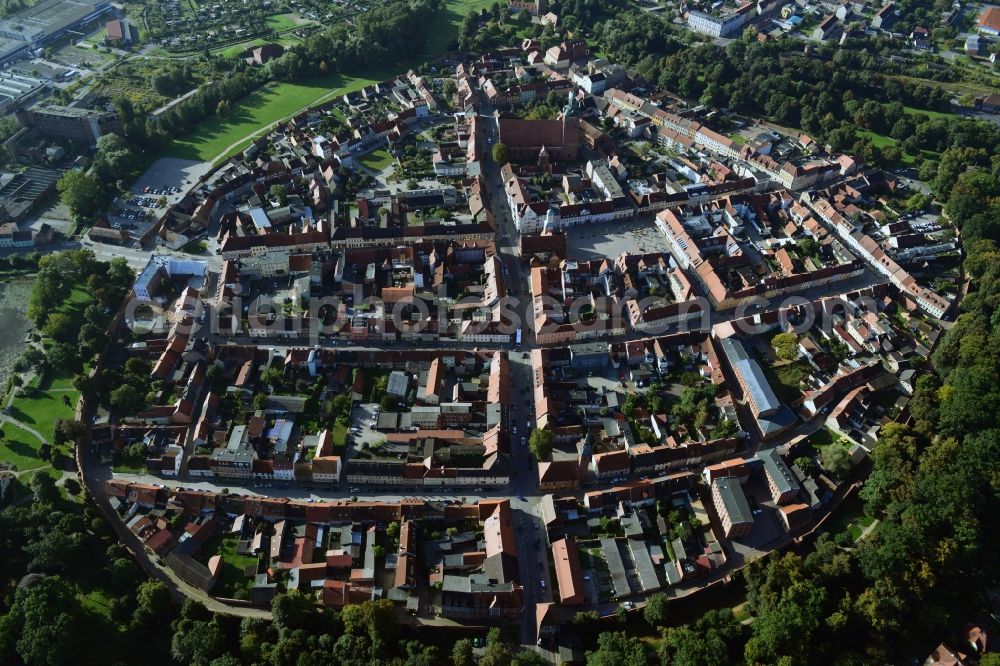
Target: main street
{"x": 532, "y": 537}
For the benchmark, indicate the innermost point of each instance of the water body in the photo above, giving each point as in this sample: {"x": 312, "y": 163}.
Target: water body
{"x": 13, "y": 322}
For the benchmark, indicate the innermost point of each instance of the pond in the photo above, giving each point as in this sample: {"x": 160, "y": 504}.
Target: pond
{"x": 14, "y": 293}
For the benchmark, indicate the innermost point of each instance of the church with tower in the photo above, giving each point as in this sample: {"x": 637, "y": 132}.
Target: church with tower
{"x": 543, "y": 141}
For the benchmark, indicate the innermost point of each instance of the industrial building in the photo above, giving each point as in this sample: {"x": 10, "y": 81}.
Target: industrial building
{"x": 84, "y": 126}
{"x": 18, "y": 89}
{"x": 50, "y": 20}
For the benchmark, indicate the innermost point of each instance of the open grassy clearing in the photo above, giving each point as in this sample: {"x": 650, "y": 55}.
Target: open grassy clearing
{"x": 51, "y": 397}
{"x": 930, "y": 114}
{"x": 824, "y": 437}
{"x": 446, "y": 23}
{"x": 281, "y": 22}
{"x": 41, "y": 410}
{"x": 236, "y": 50}
{"x": 339, "y": 435}
{"x": 850, "y": 517}
{"x": 906, "y": 159}
{"x": 19, "y": 448}
{"x": 377, "y": 159}
{"x": 955, "y": 87}
{"x": 128, "y": 464}
{"x": 259, "y": 110}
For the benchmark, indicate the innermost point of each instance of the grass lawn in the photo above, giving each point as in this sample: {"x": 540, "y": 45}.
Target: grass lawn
{"x": 881, "y": 141}
{"x": 339, "y": 435}
{"x": 42, "y": 409}
{"x": 232, "y": 578}
{"x": 126, "y": 464}
{"x": 930, "y": 114}
{"x": 252, "y": 117}
{"x": 44, "y": 401}
{"x": 236, "y": 49}
{"x": 785, "y": 379}
{"x": 96, "y": 601}
{"x": 281, "y": 22}
{"x": 850, "y": 517}
{"x": 446, "y": 23}
{"x": 377, "y": 159}
{"x": 823, "y": 437}
{"x": 19, "y": 448}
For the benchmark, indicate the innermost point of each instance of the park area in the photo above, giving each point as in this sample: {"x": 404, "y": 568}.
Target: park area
{"x": 220, "y": 137}
{"x": 40, "y": 391}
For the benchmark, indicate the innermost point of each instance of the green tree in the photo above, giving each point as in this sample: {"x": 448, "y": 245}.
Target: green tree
{"x": 461, "y": 653}
{"x": 836, "y": 460}
{"x": 43, "y": 488}
{"x": 807, "y": 464}
{"x": 279, "y": 193}
{"x": 152, "y": 604}
{"x": 788, "y": 610}
{"x": 499, "y": 152}
{"x": 656, "y": 612}
{"x": 45, "y": 623}
{"x": 60, "y": 327}
{"x": 64, "y": 357}
{"x": 197, "y": 642}
{"x": 614, "y": 648}
{"x": 786, "y": 346}
{"x": 126, "y": 400}
{"x": 273, "y": 377}
{"x": 80, "y": 193}
{"x": 540, "y": 444}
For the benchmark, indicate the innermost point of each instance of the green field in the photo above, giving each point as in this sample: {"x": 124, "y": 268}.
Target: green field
{"x": 281, "y": 22}
{"x": 930, "y": 114}
{"x": 377, "y": 159}
{"x": 126, "y": 464}
{"x": 881, "y": 141}
{"x": 42, "y": 409}
{"x": 849, "y": 517}
{"x": 20, "y": 448}
{"x": 824, "y": 437}
{"x": 42, "y": 402}
{"x": 216, "y": 136}
{"x": 446, "y": 23}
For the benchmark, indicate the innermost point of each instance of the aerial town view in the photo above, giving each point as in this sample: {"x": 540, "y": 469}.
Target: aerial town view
{"x": 524, "y": 332}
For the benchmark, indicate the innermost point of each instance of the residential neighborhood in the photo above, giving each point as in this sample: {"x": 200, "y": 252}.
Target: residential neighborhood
{"x": 555, "y": 344}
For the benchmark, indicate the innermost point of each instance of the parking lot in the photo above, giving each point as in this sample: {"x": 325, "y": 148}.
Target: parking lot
{"x": 163, "y": 184}
{"x": 173, "y": 174}
{"x": 610, "y": 239}
{"x": 362, "y": 433}
{"x": 135, "y": 214}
